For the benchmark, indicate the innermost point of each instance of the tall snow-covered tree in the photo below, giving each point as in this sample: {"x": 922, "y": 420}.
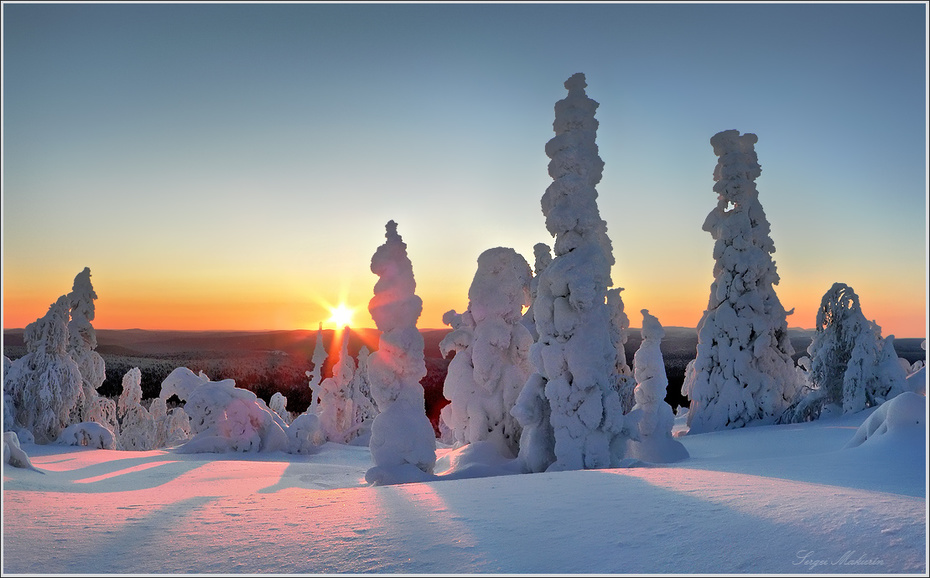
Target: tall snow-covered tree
{"x": 654, "y": 417}
{"x": 851, "y": 366}
{"x": 82, "y": 341}
{"x": 574, "y": 357}
{"x": 743, "y": 371}
{"x": 402, "y": 438}
{"x": 45, "y": 384}
{"x": 491, "y": 364}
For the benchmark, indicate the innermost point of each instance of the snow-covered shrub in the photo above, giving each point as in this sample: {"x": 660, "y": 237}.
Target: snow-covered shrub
{"x": 226, "y": 418}
{"x": 278, "y": 404}
{"x": 491, "y": 364}
{"x": 653, "y": 416}
{"x": 45, "y": 384}
{"x": 743, "y": 371}
{"x": 102, "y": 410}
{"x": 305, "y": 435}
{"x": 851, "y": 366}
{"x": 88, "y": 434}
{"x": 177, "y": 428}
{"x": 82, "y": 340}
{"x": 402, "y": 437}
{"x": 898, "y": 419}
{"x": 569, "y": 411}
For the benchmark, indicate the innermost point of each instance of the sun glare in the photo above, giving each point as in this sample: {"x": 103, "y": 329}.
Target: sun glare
{"x": 340, "y": 316}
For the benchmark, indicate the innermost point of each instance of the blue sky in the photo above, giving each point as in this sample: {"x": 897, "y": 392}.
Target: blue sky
{"x": 240, "y": 161}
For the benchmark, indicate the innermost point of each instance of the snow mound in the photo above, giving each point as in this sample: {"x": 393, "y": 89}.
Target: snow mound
{"x": 89, "y": 434}
{"x": 917, "y": 381}
{"x": 305, "y": 434}
{"x": 476, "y": 460}
{"x": 901, "y": 419}
{"x": 14, "y": 455}
{"x": 226, "y": 418}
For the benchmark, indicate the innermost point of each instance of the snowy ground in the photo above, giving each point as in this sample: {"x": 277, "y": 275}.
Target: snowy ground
{"x": 776, "y": 499}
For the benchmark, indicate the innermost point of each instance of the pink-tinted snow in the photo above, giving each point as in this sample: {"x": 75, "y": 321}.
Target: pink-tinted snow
{"x": 771, "y": 499}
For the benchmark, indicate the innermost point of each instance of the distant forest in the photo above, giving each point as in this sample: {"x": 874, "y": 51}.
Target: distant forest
{"x": 277, "y": 361}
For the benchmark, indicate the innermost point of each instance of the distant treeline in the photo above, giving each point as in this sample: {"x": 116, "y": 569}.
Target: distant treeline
{"x": 267, "y": 372}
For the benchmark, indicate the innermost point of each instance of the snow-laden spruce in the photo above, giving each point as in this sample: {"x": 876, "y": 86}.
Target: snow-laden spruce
{"x": 137, "y": 428}
{"x": 403, "y": 443}
{"x": 851, "y": 366}
{"x": 316, "y": 374}
{"x": 82, "y": 341}
{"x": 491, "y": 363}
{"x": 45, "y": 385}
{"x": 542, "y": 255}
{"x": 363, "y": 403}
{"x": 341, "y": 416}
{"x": 743, "y": 371}
{"x": 653, "y": 416}
{"x": 570, "y": 414}
{"x": 622, "y": 376}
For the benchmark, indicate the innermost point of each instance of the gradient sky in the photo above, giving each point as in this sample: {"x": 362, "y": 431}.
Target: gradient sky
{"x": 233, "y": 166}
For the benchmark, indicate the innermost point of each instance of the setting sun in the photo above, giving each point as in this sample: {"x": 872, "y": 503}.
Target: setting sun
{"x": 341, "y": 316}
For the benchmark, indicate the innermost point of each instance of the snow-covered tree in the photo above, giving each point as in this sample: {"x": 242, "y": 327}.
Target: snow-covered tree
{"x": 654, "y": 417}
{"x": 137, "y": 428}
{"x": 45, "y": 384}
{"x": 743, "y": 371}
{"x": 9, "y": 408}
{"x": 622, "y": 378}
{"x": 278, "y": 404}
{"x": 82, "y": 341}
{"x": 851, "y": 366}
{"x": 574, "y": 357}
{"x": 316, "y": 374}
{"x": 542, "y": 256}
{"x": 337, "y": 410}
{"x": 360, "y": 388}
{"x": 102, "y": 410}
{"x": 226, "y": 418}
{"x": 491, "y": 364}
{"x": 402, "y": 437}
